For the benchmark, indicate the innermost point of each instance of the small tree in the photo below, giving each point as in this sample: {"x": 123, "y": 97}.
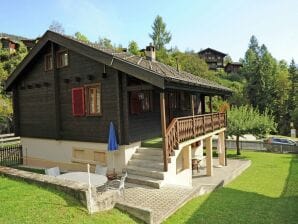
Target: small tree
{"x": 247, "y": 120}
{"x": 56, "y": 27}
{"x": 105, "y": 42}
{"x": 133, "y": 48}
{"x": 81, "y": 37}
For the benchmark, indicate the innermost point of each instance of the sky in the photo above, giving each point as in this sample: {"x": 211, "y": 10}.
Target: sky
{"x": 225, "y": 25}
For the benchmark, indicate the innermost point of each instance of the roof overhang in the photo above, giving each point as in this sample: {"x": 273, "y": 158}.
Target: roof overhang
{"x": 89, "y": 52}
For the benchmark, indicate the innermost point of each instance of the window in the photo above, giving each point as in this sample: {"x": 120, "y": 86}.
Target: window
{"x": 140, "y": 102}
{"x": 185, "y": 101}
{"x": 48, "y": 62}
{"x": 174, "y": 100}
{"x": 93, "y": 99}
{"x": 78, "y": 101}
{"x": 62, "y": 59}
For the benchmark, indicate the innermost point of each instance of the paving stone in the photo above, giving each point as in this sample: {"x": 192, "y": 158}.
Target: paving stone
{"x": 165, "y": 201}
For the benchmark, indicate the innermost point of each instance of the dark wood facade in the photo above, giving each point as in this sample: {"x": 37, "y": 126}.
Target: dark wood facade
{"x": 233, "y": 67}
{"x": 213, "y": 58}
{"x": 44, "y": 115}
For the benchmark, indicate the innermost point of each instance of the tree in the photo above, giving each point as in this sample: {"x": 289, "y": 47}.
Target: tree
{"x": 247, "y": 120}
{"x": 81, "y": 37}
{"x": 160, "y": 36}
{"x": 293, "y": 93}
{"x": 227, "y": 60}
{"x": 105, "y": 42}
{"x": 133, "y": 48}
{"x": 56, "y": 27}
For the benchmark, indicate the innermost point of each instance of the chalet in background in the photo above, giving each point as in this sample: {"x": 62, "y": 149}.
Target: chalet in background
{"x": 30, "y": 43}
{"x": 233, "y": 67}
{"x": 214, "y": 58}
{"x": 7, "y": 43}
{"x": 66, "y": 93}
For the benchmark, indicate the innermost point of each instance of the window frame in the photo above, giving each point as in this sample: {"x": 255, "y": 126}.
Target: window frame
{"x": 58, "y": 53}
{"x": 146, "y": 93}
{"x": 87, "y": 100}
{"x": 46, "y": 69}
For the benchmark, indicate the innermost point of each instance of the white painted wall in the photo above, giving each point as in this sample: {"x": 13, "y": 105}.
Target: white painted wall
{"x": 51, "y": 151}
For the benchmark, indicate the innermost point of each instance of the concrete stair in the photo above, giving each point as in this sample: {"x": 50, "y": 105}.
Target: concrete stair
{"x": 146, "y": 167}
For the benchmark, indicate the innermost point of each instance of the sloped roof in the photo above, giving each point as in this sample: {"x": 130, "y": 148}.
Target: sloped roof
{"x": 122, "y": 61}
{"x": 215, "y": 51}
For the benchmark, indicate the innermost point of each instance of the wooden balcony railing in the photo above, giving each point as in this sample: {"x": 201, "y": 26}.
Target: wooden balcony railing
{"x": 182, "y": 129}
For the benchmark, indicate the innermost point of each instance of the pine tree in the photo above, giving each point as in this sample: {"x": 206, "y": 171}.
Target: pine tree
{"x": 160, "y": 36}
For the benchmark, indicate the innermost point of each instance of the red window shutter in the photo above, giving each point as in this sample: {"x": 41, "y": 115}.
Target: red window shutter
{"x": 135, "y": 106}
{"x": 78, "y": 102}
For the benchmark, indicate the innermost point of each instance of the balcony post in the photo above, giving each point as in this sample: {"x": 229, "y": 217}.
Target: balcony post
{"x": 193, "y": 115}
{"x": 209, "y": 157}
{"x": 210, "y": 104}
{"x": 163, "y": 130}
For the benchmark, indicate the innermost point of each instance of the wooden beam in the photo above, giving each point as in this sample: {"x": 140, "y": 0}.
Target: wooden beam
{"x": 163, "y": 129}
{"x": 203, "y": 104}
{"x": 57, "y": 94}
{"x": 209, "y": 156}
{"x": 192, "y": 105}
{"x": 139, "y": 87}
{"x": 210, "y": 104}
{"x": 193, "y": 114}
{"x": 125, "y": 102}
{"x": 221, "y": 144}
{"x": 16, "y": 110}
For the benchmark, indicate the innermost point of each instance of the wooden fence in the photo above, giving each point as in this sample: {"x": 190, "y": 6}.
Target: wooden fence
{"x": 182, "y": 129}
{"x": 10, "y": 150}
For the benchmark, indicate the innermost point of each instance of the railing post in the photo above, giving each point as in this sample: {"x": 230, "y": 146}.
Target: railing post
{"x": 178, "y": 132}
{"x": 212, "y": 124}
{"x": 193, "y": 116}
{"x": 163, "y": 130}
{"x": 204, "y": 128}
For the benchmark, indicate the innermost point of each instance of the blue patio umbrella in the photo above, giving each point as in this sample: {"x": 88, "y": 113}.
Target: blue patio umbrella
{"x": 112, "y": 144}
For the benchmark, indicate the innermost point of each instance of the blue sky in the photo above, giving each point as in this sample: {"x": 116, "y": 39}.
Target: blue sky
{"x": 225, "y": 25}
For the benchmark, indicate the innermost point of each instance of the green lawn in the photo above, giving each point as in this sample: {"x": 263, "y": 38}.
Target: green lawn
{"x": 265, "y": 193}
{"x": 22, "y": 203}
{"x": 153, "y": 143}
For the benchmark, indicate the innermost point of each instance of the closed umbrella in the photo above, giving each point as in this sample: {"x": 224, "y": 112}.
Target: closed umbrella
{"x": 112, "y": 144}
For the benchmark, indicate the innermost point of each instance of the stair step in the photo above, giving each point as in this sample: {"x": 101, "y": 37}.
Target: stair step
{"x": 146, "y": 163}
{"x": 144, "y": 171}
{"x": 150, "y": 151}
{"x": 147, "y": 157}
{"x": 141, "y": 180}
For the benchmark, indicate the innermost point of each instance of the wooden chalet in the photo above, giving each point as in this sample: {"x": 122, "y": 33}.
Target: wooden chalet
{"x": 9, "y": 44}
{"x": 66, "y": 92}
{"x": 233, "y": 67}
{"x": 29, "y": 43}
{"x": 214, "y": 58}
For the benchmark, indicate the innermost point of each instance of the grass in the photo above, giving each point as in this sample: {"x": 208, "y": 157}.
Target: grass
{"x": 25, "y": 203}
{"x": 265, "y": 193}
{"x": 33, "y": 170}
{"x": 153, "y": 143}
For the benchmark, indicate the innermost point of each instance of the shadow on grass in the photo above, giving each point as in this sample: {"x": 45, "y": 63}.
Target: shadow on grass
{"x": 228, "y": 205}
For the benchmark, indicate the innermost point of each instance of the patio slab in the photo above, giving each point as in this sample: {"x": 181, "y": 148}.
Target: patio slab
{"x": 155, "y": 205}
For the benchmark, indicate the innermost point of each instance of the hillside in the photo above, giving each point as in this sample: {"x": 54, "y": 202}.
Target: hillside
{"x": 13, "y": 37}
